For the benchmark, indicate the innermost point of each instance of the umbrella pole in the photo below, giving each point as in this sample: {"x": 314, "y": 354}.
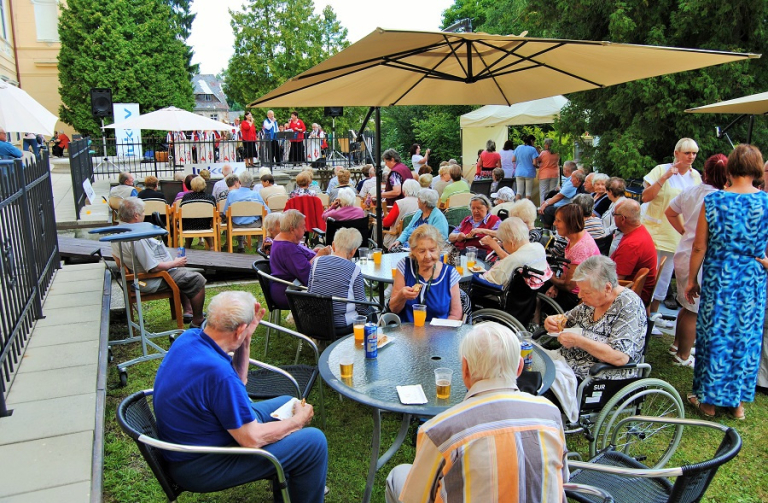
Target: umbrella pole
{"x": 749, "y": 130}
{"x": 377, "y": 160}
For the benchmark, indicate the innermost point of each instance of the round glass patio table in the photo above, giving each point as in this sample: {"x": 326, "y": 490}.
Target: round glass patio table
{"x": 382, "y": 273}
{"x": 411, "y": 358}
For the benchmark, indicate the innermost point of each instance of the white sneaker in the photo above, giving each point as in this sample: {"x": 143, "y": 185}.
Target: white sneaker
{"x": 656, "y": 331}
{"x": 661, "y": 322}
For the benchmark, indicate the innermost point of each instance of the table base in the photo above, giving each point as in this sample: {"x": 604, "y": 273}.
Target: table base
{"x": 376, "y": 461}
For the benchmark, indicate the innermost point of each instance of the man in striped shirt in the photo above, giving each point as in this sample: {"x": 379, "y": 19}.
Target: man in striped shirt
{"x": 498, "y": 445}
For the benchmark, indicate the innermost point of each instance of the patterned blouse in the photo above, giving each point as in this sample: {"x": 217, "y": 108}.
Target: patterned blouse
{"x": 622, "y": 327}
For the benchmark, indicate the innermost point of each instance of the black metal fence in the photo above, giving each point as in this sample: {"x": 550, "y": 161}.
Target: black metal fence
{"x": 162, "y": 158}
{"x": 81, "y": 169}
{"x": 29, "y": 254}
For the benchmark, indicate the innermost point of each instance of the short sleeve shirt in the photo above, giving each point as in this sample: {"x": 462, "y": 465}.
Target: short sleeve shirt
{"x": 665, "y": 237}
{"x": 581, "y": 251}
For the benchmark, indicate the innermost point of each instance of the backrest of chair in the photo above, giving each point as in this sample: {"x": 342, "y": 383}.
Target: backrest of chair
{"x": 458, "y": 200}
{"x": 407, "y": 219}
{"x": 196, "y": 209}
{"x": 220, "y": 205}
{"x": 520, "y": 299}
{"x": 361, "y": 224}
{"x": 246, "y": 209}
{"x": 136, "y": 418}
{"x": 507, "y": 182}
{"x": 454, "y": 216}
{"x": 695, "y": 480}
{"x": 262, "y": 265}
{"x": 639, "y": 280}
{"x": 503, "y": 214}
{"x": 155, "y": 205}
{"x": 114, "y": 202}
{"x": 312, "y": 313}
{"x": 276, "y": 202}
{"x": 604, "y": 244}
{"x": 481, "y": 187}
{"x": 325, "y": 199}
{"x": 496, "y": 316}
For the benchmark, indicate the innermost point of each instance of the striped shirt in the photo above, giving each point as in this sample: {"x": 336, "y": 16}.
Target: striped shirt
{"x": 338, "y": 277}
{"x": 498, "y": 445}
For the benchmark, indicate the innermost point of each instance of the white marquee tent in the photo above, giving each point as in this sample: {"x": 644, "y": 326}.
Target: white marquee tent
{"x": 491, "y": 122}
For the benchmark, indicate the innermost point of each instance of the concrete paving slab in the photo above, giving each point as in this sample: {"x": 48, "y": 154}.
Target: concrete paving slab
{"x": 54, "y": 335}
{"x": 70, "y": 381}
{"x": 62, "y": 356}
{"x": 45, "y": 464}
{"x": 49, "y": 418}
{"x": 95, "y": 271}
{"x": 65, "y": 316}
{"x": 65, "y": 300}
{"x": 74, "y": 287}
{"x": 71, "y": 493}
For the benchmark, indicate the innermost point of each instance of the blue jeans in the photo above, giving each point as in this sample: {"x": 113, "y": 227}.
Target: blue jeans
{"x": 32, "y": 143}
{"x": 303, "y": 455}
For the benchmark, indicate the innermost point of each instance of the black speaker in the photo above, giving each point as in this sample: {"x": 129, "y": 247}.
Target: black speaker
{"x": 334, "y": 111}
{"x": 101, "y": 102}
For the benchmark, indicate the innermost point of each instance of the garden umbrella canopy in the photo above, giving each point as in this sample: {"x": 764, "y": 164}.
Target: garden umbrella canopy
{"x": 542, "y": 111}
{"x": 171, "y": 119}
{"x": 390, "y": 67}
{"x": 20, "y": 113}
{"x": 754, "y": 104}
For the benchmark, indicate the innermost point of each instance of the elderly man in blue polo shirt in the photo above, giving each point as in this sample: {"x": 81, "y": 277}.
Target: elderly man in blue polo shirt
{"x": 7, "y": 151}
{"x": 200, "y": 399}
{"x": 567, "y": 192}
{"x": 241, "y": 191}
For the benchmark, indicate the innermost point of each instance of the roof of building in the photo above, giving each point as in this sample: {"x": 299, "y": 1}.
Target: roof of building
{"x": 208, "y": 84}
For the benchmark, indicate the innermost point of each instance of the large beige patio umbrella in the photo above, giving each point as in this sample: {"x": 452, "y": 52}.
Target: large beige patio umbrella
{"x": 754, "y": 104}
{"x": 391, "y": 67}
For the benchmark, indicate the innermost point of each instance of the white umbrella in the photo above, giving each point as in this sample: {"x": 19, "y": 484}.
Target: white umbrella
{"x": 20, "y": 113}
{"x": 171, "y": 119}
{"x": 754, "y": 104}
{"x": 542, "y": 111}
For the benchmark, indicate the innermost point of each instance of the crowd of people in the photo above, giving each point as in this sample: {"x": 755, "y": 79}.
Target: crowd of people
{"x": 709, "y": 231}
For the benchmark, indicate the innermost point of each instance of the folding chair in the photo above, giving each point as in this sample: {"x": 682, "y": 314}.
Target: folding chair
{"x": 244, "y": 209}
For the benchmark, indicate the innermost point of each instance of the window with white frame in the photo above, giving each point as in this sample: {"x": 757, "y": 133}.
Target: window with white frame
{"x": 46, "y": 20}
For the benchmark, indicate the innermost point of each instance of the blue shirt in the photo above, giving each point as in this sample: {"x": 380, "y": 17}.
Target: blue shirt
{"x": 435, "y": 293}
{"x": 8, "y": 151}
{"x": 568, "y": 191}
{"x": 198, "y": 395}
{"x": 244, "y": 194}
{"x": 435, "y": 219}
{"x": 524, "y": 156}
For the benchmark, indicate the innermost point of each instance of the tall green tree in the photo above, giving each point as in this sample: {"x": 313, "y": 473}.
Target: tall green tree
{"x": 276, "y": 40}
{"x": 639, "y": 122}
{"x": 124, "y": 45}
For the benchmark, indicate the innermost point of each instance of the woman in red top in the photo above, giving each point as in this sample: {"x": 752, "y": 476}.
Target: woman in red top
{"x": 472, "y": 229}
{"x": 248, "y": 133}
{"x": 489, "y": 160}
{"x": 297, "y": 143}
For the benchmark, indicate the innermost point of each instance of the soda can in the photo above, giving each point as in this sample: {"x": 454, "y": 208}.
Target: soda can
{"x": 526, "y": 353}
{"x": 371, "y": 341}
{"x": 181, "y": 252}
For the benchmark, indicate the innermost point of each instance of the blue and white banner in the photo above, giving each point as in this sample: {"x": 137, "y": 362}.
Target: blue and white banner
{"x": 128, "y": 140}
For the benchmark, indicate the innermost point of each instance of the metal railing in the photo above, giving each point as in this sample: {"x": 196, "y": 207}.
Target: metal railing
{"x": 160, "y": 158}
{"x": 29, "y": 254}
{"x": 81, "y": 169}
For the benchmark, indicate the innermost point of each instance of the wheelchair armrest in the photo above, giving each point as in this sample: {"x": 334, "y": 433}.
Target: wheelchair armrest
{"x": 599, "y": 368}
{"x": 318, "y": 231}
{"x": 277, "y": 370}
{"x": 359, "y": 302}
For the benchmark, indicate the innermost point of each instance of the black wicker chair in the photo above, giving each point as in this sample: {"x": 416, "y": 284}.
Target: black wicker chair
{"x": 313, "y": 314}
{"x": 137, "y": 419}
{"x": 331, "y": 226}
{"x": 628, "y": 480}
{"x": 481, "y": 187}
{"x": 264, "y": 273}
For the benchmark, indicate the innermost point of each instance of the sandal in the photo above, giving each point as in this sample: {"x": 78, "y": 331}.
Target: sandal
{"x": 738, "y": 417}
{"x": 679, "y": 362}
{"x": 694, "y": 401}
{"x": 673, "y": 350}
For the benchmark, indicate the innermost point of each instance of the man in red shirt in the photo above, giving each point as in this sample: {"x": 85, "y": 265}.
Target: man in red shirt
{"x": 636, "y": 249}
{"x": 297, "y": 142}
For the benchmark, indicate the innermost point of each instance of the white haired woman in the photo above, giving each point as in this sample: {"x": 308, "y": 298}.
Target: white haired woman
{"x": 663, "y": 184}
{"x": 344, "y": 207}
{"x": 612, "y": 320}
{"x": 481, "y": 222}
{"x": 444, "y": 178}
{"x": 426, "y": 214}
{"x": 515, "y": 251}
{"x": 600, "y": 196}
{"x": 402, "y": 207}
{"x": 338, "y": 276}
{"x": 272, "y": 227}
{"x": 423, "y": 279}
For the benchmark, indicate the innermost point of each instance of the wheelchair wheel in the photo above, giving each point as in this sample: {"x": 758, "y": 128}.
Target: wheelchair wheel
{"x": 651, "y": 443}
{"x": 498, "y": 316}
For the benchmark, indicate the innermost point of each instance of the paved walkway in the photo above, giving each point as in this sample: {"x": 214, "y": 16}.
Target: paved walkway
{"x": 47, "y": 444}
{"x": 64, "y": 201}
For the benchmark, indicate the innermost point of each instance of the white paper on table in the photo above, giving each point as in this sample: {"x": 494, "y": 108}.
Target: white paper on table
{"x": 441, "y": 322}
{"x": 286, "y": 410}
{"x": 411, "y": 395}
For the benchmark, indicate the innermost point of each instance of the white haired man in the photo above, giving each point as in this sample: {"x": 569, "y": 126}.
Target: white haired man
{"x": 153, "y": 256}
{"x": 499, "y": 444}
{"x": 200, "y": 399}
{"x": 241, "y": 191}
{"x": 124, "y": 187}
{"x": 220, "y": 189}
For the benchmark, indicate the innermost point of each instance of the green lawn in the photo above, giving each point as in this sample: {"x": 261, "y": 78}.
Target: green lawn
{"x": 349, "y": 427}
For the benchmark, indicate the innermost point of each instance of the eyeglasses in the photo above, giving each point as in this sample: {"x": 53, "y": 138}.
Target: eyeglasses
{"x": 619, "y": 215}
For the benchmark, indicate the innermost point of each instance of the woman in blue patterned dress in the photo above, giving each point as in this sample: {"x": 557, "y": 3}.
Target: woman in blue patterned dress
{"x": 730, "y": 236}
